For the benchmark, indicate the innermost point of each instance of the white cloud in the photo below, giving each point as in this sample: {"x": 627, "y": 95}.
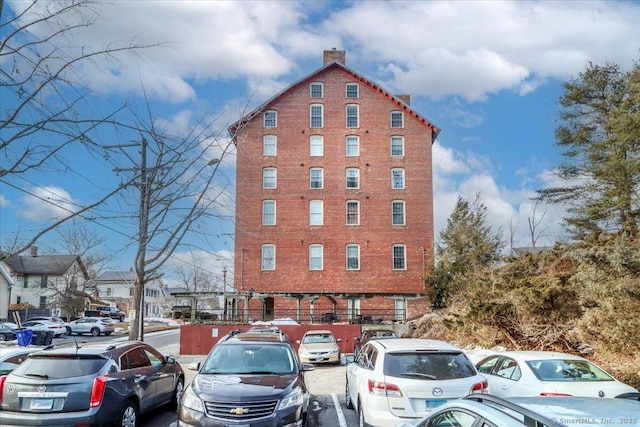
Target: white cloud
{"x": 4, "y": 202}
{"x": 47, "y": 203}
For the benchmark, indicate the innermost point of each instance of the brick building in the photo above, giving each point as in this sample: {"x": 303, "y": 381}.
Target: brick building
{"x": 334, "y": 200}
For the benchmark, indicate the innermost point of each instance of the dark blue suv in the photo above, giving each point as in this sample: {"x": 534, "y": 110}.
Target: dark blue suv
{"x": 250, "y": 378}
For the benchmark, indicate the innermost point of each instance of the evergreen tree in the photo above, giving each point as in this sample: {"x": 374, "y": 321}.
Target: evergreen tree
{"x": 467, "y": 244}
{"x": 600, "y": 136}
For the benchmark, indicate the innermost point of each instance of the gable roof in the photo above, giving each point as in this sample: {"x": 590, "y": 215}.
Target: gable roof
{"x": 117, "y": 276}
{"x": 335, "y": 64}
{"x": 44, "y": 264}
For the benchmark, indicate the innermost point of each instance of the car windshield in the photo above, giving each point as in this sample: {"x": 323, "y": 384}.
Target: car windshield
{"x": 318, "y": 339}
{"x": 567, "y": 370}
{"x": 246, "y": 359}
{"x": 46, "y": 367}
{"x": 428, "y": 366}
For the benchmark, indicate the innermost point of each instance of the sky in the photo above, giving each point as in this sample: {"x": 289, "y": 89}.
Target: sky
{"x": 488, "y": 73}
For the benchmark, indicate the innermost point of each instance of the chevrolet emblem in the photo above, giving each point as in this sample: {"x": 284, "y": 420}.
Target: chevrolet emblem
{"x": 239, "y": 411}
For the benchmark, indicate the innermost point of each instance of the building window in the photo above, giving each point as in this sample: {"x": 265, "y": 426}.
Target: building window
{"x": 352, "y": 90}
{"x": 270, "y": 119}
{"x": 269, "y": 178}
{"x": 43, "y": 281}
{"x": 315, "y": 212}
{"x": 315, "y": 257}
{"x": 397, "y": 212}
{"x": 353, "y": 212}
{"x": 397, "y": 146}
{"x": 268, "y": 212}
{"x": 316, "y": 116}
{"x": 353, "y": 178}
{"x": 397, "y": 178}
{"x": 353, "y": 119}
{"x": 353, "y": 257}
{"x": 316, "y": 145}
{"x": 43, "y": 302}
{"x": 316, "y": 177}
{"x": 108, "y": 291}
{"x": 315, "y": 90}
{"x": 399, "y": 259}
{"x": 397, "y": 119}
{"x": 353, "y": 146}
{"x": 268, "y": 257}
{"x": 269, "y": 145}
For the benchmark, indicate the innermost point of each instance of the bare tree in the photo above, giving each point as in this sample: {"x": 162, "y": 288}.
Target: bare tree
{"x": 513, "y": 228}
{"x": 45, "y": 107}
{"x": 535, "y": 231}
{"x": 196, "y": 279}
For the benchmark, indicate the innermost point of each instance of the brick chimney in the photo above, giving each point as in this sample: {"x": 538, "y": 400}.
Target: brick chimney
{"x": 34, "y": 251}
{"x": 404, "y": 98}
{"x": 334, "y": 55}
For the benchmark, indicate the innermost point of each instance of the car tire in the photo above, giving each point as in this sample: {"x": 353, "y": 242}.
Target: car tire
{"x": 95, "y": 332}
{"x": 361, "y": 421}
{"x": 177, "y": 394}
{"x": 68, "y": 330}
{"x": 129, "y": 415}
{"x": 107, "y": 333}
{"x": 3, "y": 337}
{"x": 347, "y": 399}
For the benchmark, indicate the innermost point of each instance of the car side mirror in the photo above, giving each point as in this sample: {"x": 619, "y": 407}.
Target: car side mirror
{"x": 351, "y": 358}
{"x": 297, "y": 341}
{"x": 308, "y": 367}
{"x": 170, "y": 360}
{"x": 356, "y": 339}
{"x": 194, "y": 366}
{"x": 339, "y": 340}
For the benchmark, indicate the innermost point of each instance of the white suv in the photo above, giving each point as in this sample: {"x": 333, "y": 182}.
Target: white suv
{"x": 393, "y": 380}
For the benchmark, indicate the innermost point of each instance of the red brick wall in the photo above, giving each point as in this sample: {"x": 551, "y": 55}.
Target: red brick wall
{"x": 292, "y": 235}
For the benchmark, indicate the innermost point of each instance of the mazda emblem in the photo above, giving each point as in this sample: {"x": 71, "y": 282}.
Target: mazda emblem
{"x": 437, "y": 391}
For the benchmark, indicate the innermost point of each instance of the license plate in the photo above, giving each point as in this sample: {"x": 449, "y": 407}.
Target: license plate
{"x": 319, "y": 359}
{"x": 40, "y": 404}
{"x": 430, "y": 404}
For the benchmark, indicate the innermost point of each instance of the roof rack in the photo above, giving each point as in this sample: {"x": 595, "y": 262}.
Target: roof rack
{"x": 531, "y": 419}
{"x": 258, "y": 330}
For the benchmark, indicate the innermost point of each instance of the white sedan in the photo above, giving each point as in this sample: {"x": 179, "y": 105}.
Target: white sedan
{"x": 47, "y": 326}
{"x": 92, "y": 325}
{"x": 547, "y": 373}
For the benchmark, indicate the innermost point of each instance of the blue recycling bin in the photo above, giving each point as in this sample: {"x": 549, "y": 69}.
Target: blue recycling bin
{"x": 24, "y": 336}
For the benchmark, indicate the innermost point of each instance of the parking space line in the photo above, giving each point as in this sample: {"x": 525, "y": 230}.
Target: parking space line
{"x": 336, "y": 402}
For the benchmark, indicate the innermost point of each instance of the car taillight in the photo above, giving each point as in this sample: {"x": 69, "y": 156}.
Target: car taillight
{"x": 2, "y": 380}
{"x": 380, "y": 388}
{"x": 482, "y": 387}
{"x": 97, "y": 391}
{"x": 544, "y": 393}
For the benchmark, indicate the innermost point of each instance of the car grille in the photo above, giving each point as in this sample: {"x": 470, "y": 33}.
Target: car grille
{"x": 240, "y": 411}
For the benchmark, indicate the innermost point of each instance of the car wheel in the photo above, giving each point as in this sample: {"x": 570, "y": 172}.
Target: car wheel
{"x": 68, "y": 330}
{"x": 347, "y": 399}
{"x": 177, "y": 394}
{"x": 3, "y": 337}
{"x": 107, "y": 333}
{"x": 129, "y": 417}
{"x": 361, "y": 421}
{"x": 95, "y": 332}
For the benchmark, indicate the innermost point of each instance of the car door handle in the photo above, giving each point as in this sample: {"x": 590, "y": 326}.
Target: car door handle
{"x": 504, "y": 387}
{"x": 139, "y": 377}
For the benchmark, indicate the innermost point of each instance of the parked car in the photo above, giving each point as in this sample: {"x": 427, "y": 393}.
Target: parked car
{"x": 7, "y": 331}
{"x": 92, "y": 325}
{"x": 53, "y": 319}
{"x": 319, "y": 346}
{"x": 371, "y": 334}
{"x": 482, "y": 410}
{"x": 249, "y": 378}
{"x": 47, "y": 326}
{"x": 546, "y": 373}
{"x": 94, "y": 384}
{"x": 391, "y": 381}
{"x": 112, "y": 312}
{"x": 11, "y": 357}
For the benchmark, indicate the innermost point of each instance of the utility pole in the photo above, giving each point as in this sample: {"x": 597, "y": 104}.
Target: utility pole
{"x": 224, "y": 293}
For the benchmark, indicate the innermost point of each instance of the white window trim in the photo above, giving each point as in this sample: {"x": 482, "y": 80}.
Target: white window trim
{"x": 404, "y": 179}
{"x": 404, "y": 213}
{"x": 311, "y": 145}
{"x": 391, "y": 145}
{"x": 271, "y": 202}
{"x": 263, "y": 259}
{"x": 393, "y": 257}
{"x": 264, "y": 145}
{"x": 312, "y": 213}
{"x": 346, "y": 184}
{"x": 275, "y": 178}
{"x": 320, "y": 247}
{"x": 311, "y": 116}
{"x": 346, "y": 90}
{"x": 391, "y": 120}
{"x": 321, "y": 90}
{"x": 264, "y": 119}
{"x": 357, "y": 247}
{"x": 321, "y": 170}
{"x": 346, "y": 207}
{"x": 346, "y": 111}
{"x": 357, "y": 145}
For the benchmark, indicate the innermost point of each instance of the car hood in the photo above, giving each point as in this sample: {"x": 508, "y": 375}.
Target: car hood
{"x": 243, "y": 387}
{"x": 319, "y": 347}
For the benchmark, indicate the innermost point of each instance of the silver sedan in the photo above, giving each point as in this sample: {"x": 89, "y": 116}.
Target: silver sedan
{"x": 92, "y": 325}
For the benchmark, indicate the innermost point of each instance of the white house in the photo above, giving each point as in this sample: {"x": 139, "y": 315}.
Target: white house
{"x": 117, "y": 287}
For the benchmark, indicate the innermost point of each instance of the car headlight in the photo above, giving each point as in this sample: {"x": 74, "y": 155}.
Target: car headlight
{"x": 304, "y": 352}
{"x": 295, "y": 398}
{"x": 333, "y": 351}
{"x": 191, "y": 400}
